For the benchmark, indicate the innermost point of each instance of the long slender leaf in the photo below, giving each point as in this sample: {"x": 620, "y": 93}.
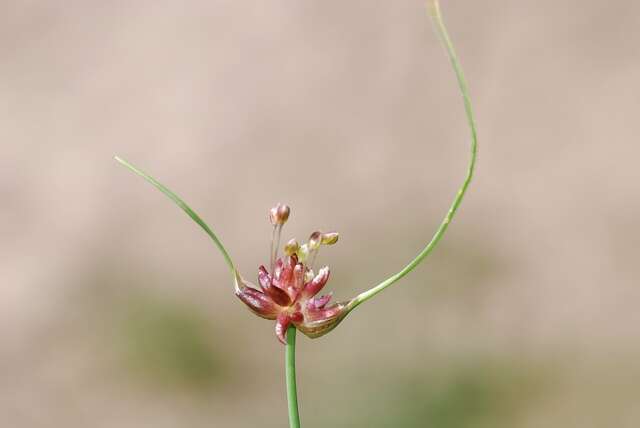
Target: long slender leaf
{"x": 179, "y": 202}
{"x": 441, "y": 29}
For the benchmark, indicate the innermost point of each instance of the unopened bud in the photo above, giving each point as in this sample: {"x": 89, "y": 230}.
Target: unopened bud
{"x": 279, "y": 214}
{"x": 314, "y": 240}
{"x": 330, "y": 238}
{"x": 303, "y": 253}
{"x": 291, "y": 247}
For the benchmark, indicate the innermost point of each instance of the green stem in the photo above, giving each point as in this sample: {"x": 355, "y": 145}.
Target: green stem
{"x": 290, "y": 369}
{"x": 436, "y": 16}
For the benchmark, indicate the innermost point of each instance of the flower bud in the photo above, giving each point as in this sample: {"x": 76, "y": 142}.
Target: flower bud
{"x": 314, "y": 240}
{"x": 330, "y": 238}
{"x": 279, "y": 214}
{"x": 291, "y": 247}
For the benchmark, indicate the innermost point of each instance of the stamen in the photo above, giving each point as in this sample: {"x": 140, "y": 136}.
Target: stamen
{"x": 278, "y": 216}
{"x": 315, "y": 240}
{"x": 330, "y": 238}
{"x": 275, "y": 243}
{"x": 303, "y": 253}
{"x": 291, "y": 247}
{"x": 312, "y": 262}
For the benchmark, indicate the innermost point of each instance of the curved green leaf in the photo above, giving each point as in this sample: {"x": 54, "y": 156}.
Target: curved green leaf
{"x": 436, "y": 16}
{"x": 191, "y": 213}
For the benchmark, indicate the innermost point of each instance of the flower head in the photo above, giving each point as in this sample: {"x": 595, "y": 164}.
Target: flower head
{"x": 289, "y": 290}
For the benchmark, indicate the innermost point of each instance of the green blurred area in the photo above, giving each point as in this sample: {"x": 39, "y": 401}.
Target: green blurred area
{"x": 170, "y": 344}
{"x": 474, "y": 396}
{"x": 482, "y": 393}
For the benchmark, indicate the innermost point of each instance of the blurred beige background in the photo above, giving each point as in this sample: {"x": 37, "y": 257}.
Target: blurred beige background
{"x": 116, "y": 310}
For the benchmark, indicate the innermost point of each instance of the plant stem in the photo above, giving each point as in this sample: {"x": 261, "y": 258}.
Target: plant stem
{"x": 436, "y": 16}
{"x": 290, "y": 369}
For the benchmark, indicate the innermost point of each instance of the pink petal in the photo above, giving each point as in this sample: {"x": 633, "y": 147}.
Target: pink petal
{"x": 258, "y": 302}
{"x": 287, "y": 272}
{"x": 296, "y": 317}
{"x": 319, "y": 302}
{"x": 297, "y": 282}
{"x": 324, "y": 314}
{"x": 278, "y": 295}
{"x": 312, "y": 288}
{"x": 298, "y": 277}
{"x": 263, "y": 277}
{"x": 282, "y": 323}
{"x": 319, "y": 322}
{"x": 278, "y": 270}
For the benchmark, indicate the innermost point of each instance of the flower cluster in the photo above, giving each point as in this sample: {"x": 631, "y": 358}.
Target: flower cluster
{"x": 288, "y": 290}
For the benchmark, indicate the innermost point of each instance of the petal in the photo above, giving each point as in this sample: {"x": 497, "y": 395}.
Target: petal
{"x": 297, "y": 282}
{"x": 263, "y": 277}
{"x": 316, "y": 284}
{"x": 298, "y": 276}
{"x": 278, "y": 295}
{"x": 287, "y": 272}
{"x": 320, "y": 322}
{"x": 294, "y": 259}
{"x": 319, "y": 302}
{"x": 308, "y": 275}
{"x": 277, "y": 272}
{"x": 296, "y": 317}
{"x": 323, "y": 313}
{"x": 259, "y": 303}
{"x": 282, "y": 323}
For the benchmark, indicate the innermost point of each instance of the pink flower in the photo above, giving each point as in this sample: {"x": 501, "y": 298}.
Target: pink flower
{"x": 288, "y": 291}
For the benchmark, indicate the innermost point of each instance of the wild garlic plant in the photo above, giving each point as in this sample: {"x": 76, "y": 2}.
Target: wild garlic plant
{"x": 288, "y": 287}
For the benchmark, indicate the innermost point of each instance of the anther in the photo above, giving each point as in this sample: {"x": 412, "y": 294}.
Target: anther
{"x": 279, "y": 214}
{"x": 315, "y": 240}
{"x": 330, "y": 238}
{"x": 303, "y": 253}
{"x": 291, "y": 247}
